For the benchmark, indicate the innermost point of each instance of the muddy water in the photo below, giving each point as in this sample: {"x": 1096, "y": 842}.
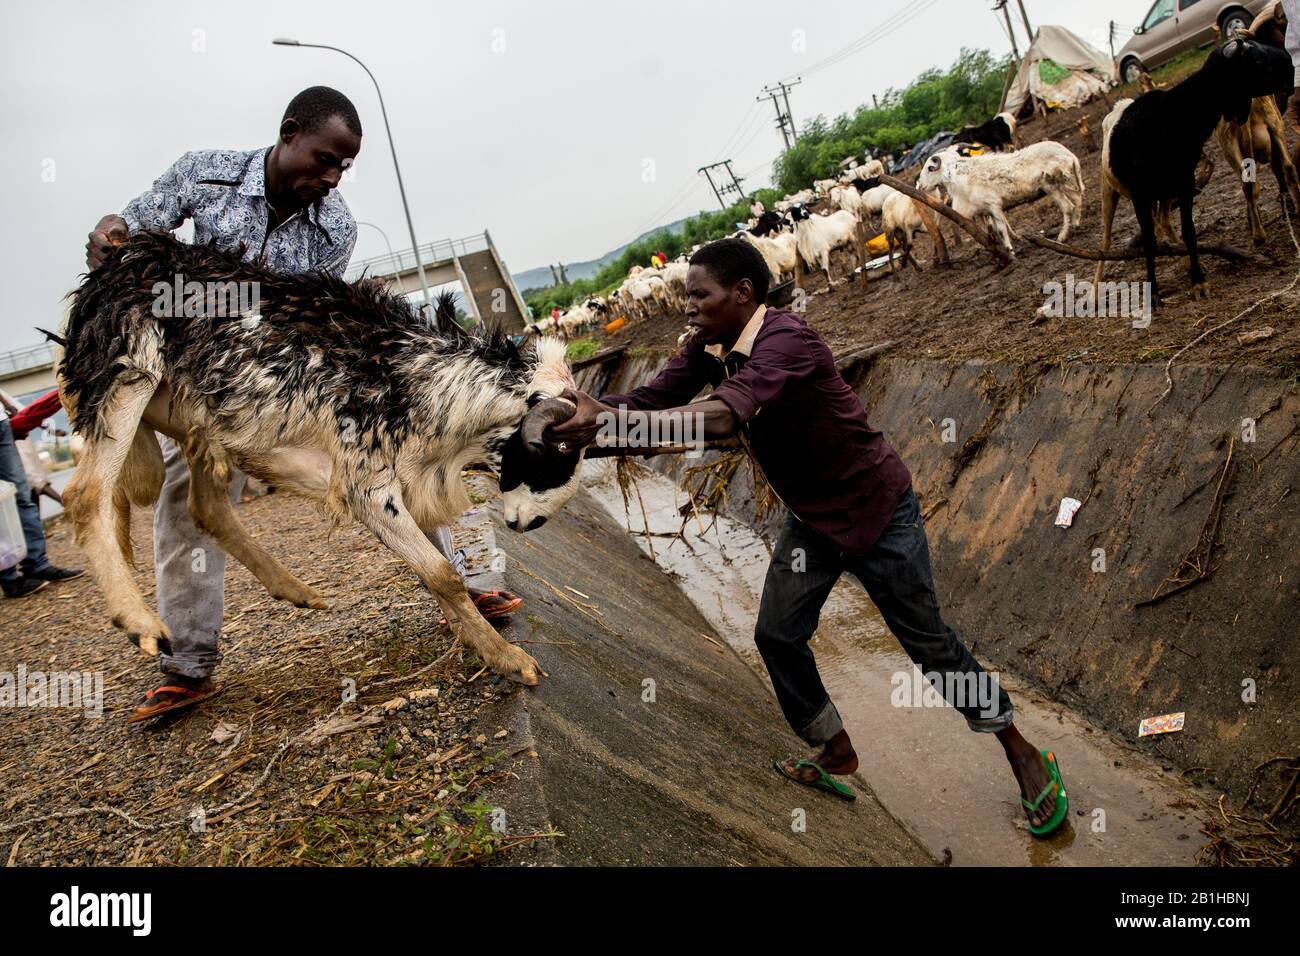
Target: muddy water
{"x": 952, "y": 788}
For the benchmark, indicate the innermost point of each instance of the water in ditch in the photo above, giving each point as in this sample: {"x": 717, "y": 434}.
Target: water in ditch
{"x": 952, "y": 788}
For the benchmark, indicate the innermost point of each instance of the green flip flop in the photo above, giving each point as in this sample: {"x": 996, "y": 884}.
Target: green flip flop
{"x": 1062, "y": 802}
{"x": 824, "y": 780}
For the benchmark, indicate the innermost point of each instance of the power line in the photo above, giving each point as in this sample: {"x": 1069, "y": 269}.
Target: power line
{"x": 727, "y": 145}
{"x": 673, "y": 202}
{"x": 888, "y": 26}
{"x": 744, "y": 146}
{"x": 755, "y": 126}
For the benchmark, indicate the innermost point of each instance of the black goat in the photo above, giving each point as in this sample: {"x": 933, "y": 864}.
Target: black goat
{"x": 1152, "y": 145}
{"x": 768, "y": 223}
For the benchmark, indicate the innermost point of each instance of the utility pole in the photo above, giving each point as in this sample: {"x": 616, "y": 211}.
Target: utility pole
{"x": 1002, "y": 5}
{"x": 1029, "y": 31}
{"x": 722, "y": 188}
{"x": 784, "y": 118}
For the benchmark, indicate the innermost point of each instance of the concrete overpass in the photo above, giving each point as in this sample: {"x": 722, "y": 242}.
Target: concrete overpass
{"x": 472, "y": 261}
{"x": 27, "y": 370}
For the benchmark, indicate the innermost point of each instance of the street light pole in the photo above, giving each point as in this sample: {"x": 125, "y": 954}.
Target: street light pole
{"x": 415, "y": 246}
{"x": 397, "y": 263}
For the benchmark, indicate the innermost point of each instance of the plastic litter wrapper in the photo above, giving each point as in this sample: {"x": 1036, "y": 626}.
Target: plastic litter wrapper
{"x": 13, "y": 546}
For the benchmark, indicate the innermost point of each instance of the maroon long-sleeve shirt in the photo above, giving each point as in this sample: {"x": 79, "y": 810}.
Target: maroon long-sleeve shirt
{"x": 804, "y": 423}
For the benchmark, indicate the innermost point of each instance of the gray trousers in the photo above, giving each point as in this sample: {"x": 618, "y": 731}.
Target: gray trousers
{"x": 191, "y": 570}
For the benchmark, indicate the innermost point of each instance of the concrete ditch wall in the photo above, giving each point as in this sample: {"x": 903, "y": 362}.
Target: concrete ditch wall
{"x": 1034, "y": 599}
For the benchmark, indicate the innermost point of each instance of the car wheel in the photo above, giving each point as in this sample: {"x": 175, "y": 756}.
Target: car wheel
{"x": 1132, "y": 71}
{"x": 1233, "y": 22}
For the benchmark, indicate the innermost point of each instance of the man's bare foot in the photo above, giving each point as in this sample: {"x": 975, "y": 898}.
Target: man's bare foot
{"x": 1031, "y": 773}
{"x": 837, "y": 757}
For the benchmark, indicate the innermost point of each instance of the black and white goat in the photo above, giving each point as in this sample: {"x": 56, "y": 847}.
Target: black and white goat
{"x": 1152, "y": 145}
{"x": 332, "y": 390}
{"x": 999, "y": 133}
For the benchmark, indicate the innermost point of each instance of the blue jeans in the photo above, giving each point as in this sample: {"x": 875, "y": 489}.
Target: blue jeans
{"x": 896, "y": 574}
{"x": 29, "y": 514}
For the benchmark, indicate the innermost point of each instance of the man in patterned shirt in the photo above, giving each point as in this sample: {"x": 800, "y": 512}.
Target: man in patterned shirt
{"x": 282, "y": 205}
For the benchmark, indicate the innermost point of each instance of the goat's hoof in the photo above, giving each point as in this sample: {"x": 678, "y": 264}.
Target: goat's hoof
{"x": 146, "y": 631}
{"x": 1200, "y": 292}
{"x": 519, "y": 665}
{"x": 300, "y": 595}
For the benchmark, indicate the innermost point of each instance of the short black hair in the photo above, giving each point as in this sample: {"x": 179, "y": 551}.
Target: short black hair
{"x": 732, "y": 259}
{"x": 316, "y": 104}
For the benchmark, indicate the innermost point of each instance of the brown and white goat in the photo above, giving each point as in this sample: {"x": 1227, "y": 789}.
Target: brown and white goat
{"x": 1261, "y": 139}
{"x": 331, "y": 390}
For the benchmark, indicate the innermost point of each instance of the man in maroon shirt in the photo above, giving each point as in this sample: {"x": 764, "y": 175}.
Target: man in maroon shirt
{"x": 849, "y": 501}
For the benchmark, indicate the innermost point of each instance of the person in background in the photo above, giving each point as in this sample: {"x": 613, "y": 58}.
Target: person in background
{"x": 34, "y": 572}
{"x": 23, "y": 420}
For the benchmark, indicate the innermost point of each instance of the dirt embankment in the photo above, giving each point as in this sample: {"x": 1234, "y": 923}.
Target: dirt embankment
{"x": 1177, "y": 586}
{"x": 973, "y": 310}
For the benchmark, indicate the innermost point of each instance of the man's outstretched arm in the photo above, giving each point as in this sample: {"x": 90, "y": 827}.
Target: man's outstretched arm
{"x": 708, "y": 420}
{"x": 164, "y": 207}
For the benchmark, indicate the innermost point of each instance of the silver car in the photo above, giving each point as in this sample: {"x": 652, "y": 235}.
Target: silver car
{"x": 1173, "y": 26}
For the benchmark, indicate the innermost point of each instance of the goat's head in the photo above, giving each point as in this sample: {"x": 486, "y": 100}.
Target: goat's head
{"x": 536, "y": 481}
{"x": 1244, "y": 68}
{"x": 931, "y": 177}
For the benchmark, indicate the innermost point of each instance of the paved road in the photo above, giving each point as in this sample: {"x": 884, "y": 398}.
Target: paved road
{"x": 49, "y": 507}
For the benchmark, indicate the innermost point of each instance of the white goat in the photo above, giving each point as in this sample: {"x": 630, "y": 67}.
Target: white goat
{"x": 985, "y": 186}
{"x": 817, "y": 236}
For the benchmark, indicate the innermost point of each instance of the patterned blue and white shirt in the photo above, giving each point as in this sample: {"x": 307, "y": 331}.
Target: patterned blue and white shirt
{"x": 224, "y": 192}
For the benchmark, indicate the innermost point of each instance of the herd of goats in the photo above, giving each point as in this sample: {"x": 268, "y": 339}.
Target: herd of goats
{"x": 1153, "y": 154}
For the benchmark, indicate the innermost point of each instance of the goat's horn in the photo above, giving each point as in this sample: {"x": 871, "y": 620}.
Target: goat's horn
{"x": 552, "y": 411}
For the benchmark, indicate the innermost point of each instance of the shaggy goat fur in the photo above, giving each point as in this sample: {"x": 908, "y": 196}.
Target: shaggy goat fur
{"x": 330, "y": 389}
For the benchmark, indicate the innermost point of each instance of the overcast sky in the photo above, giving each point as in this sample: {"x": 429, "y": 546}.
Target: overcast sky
{"x": 565, "y": 127}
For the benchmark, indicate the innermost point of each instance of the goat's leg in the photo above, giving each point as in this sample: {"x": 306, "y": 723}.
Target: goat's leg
{"x": 380, "y": 508}
{"x": 89, "y": 502}
{"x": 1236, "y": 149}
{"x": 1254, "y": 220}
{"x": 1288, "y": 182}
{"x": 1002, "y": 229}
{"x": 212, "y": 512}
{"x": 1200, "y": 289}
{"x": 1144, "y": 211}
{"x": 1164, "y": 229}
{"x": 1108, "y": 199}
{"x": 1069, "y": 206}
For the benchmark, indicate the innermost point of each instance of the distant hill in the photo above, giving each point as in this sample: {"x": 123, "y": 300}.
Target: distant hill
{"x": 540, "y": 278}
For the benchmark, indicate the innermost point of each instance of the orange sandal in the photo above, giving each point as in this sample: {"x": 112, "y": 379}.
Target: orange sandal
{"x": 496, "y": 603}
{"x": 183, "y": 697}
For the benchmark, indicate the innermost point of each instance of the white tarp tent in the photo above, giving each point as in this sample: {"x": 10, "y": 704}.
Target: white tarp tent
{"x": 1062, "y": 69}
